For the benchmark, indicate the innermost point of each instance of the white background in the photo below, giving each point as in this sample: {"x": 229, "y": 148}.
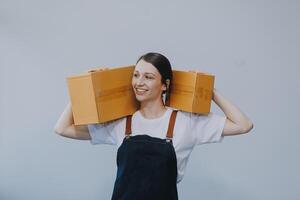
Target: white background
{"x": 252, "y": 47}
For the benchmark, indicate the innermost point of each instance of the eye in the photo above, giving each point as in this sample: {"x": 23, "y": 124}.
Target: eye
{"x": 148, "y": 77}
{"x": 135, "y": 75}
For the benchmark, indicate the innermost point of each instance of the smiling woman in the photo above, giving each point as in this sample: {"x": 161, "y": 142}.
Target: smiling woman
{"x": 154, "y": 144}
{"x": 147, "y": 83}
{"x": 152, "y": 77}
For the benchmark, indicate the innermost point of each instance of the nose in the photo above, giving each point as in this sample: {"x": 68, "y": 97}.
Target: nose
{"x": 140, "y": 81}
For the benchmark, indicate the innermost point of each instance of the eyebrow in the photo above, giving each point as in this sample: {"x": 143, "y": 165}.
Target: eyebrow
{"x": 146, "y": 73}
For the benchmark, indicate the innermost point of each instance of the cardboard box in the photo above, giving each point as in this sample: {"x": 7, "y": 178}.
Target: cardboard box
{"x": 101, "y": 96}
{"x": 191, "y": 91}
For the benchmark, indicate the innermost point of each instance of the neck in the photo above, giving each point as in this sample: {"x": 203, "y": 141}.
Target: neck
{"x": 153, "y": 109}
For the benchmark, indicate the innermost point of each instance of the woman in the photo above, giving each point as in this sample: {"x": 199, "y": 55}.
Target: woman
{"x": 154, "y": 143}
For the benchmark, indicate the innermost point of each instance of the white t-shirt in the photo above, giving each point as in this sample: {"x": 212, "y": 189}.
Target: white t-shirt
{"x": 189, "y": 130}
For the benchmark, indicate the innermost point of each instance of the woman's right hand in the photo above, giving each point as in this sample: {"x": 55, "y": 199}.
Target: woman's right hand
{"x": 97, "y": 69}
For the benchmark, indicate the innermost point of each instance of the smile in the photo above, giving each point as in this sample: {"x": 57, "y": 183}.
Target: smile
{"x": 140, "y": 91}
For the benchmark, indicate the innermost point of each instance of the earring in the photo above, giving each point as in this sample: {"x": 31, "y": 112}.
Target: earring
{"x": 164, "y": 98}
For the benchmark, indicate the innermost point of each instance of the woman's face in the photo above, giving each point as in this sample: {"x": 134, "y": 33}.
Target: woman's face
{"x": 146, "y": 82}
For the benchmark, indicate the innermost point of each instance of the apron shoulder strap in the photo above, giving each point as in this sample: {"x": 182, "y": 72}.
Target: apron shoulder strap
{"x": 170, "y": 128}
{"x": 128, "y": 125}
{"x": 171, "y": 124}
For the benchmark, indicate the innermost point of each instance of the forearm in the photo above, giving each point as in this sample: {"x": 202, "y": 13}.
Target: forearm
{"x": 65, "y": 120}
{"x": 231, "y": 111}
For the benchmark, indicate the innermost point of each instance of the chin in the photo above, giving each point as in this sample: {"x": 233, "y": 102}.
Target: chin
{"x": 141, "y": 99}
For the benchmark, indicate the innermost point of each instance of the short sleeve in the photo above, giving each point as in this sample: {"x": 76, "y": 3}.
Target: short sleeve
{"x": 104, "y": 133}
{"x": 207, "y": 128}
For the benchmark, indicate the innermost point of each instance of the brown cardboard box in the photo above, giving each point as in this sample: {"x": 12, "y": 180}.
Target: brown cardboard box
{"x": 191, "y": 91}
{"x": 101, "y": 96}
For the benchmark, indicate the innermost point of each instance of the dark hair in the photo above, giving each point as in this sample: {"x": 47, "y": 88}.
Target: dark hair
{"x": 162, "y": 64}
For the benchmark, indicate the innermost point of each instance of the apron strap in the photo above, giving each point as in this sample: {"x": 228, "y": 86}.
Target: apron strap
{"x": 171, "y": 124}
{"x": 128, "y": 125}
{"x": 170, "y": 128}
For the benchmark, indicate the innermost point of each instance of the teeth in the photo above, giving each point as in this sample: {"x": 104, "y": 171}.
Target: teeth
{"x": 140, "y": 90}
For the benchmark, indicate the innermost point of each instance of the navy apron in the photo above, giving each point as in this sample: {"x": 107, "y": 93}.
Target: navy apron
{"x": 147, "y": 166}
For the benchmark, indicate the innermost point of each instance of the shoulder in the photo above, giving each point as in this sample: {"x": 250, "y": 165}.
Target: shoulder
{"x": 182, "y": 120}
{"x": 197, "y": 119}
{"x": 182, "y": 115}
{"x": 109, "y": 125}
{"x": 115, "y": 121}
{"x": 179, "y": 112}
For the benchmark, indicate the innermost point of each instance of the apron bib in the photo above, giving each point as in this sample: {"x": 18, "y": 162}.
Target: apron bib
{"x": 147, "y": 166}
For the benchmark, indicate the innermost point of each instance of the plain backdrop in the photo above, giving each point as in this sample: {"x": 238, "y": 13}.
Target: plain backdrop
{"x": 252, "y": 48}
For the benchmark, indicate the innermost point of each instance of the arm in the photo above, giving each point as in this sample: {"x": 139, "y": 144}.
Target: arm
{"x": 65, "y": 126}
{"x": 236, "y": 122}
